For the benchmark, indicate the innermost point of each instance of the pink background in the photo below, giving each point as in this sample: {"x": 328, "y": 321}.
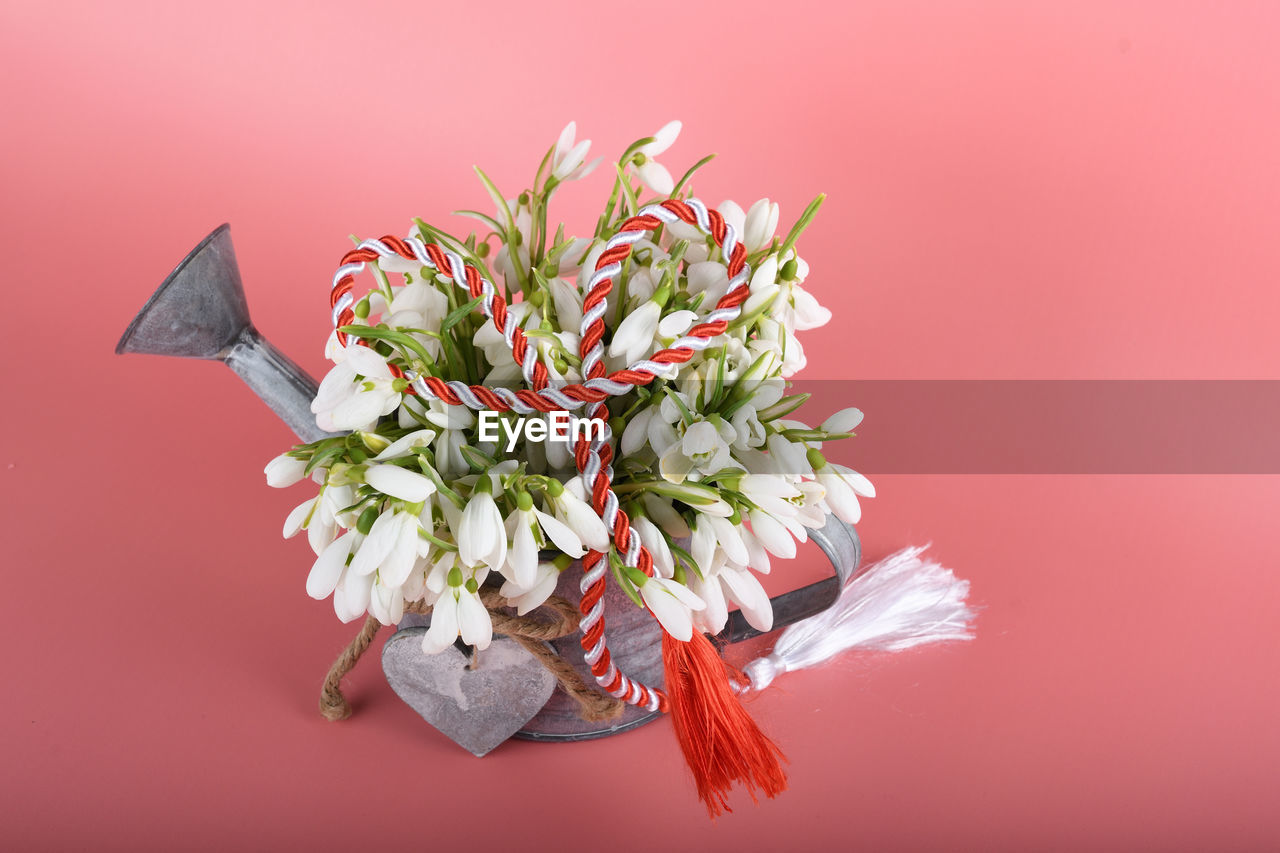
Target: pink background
{"x": 1016, "y": 191}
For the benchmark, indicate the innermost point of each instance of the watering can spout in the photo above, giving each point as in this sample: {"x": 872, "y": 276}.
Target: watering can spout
{"x": 200, "y": 312}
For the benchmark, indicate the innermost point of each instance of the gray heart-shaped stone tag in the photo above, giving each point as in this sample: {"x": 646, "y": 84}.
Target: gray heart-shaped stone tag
{"x": 477, "y": 708}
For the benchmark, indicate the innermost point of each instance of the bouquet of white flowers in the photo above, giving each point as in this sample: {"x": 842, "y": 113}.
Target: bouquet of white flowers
{"x": 422, "y": 500}
{"x": 476, "y": 393}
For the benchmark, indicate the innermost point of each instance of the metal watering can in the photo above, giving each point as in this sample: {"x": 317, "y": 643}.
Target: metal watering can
{"x": 200, "y": 311}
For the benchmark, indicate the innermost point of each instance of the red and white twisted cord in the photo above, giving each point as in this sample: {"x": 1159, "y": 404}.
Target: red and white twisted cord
{"x": 593, "y": 456}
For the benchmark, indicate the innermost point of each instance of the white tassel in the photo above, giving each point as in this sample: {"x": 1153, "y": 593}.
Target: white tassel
{"x": 900, "y": 602}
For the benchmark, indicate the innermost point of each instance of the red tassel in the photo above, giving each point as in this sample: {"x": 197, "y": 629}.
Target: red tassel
{"x": 721, "y": 743}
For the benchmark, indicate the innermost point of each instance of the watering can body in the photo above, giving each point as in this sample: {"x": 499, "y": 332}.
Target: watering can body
{"x": 200, "y": 311}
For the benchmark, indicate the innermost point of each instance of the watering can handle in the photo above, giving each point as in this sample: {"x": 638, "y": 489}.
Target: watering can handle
{"x": 839, "y": 541}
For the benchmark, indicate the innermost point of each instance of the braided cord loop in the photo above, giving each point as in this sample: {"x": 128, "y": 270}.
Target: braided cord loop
{"x": 593, "y": 454}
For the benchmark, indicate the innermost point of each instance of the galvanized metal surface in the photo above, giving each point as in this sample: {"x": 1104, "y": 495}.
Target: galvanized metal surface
{"x": 200, "y": 312}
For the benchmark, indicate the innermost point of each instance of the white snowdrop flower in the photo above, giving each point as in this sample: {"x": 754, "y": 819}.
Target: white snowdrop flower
{"x": 482, "y": 535}
{"x": 634, "y": 336}
{"x": 812, "y": 510}
{"x": 710, "y": 278}
{"x": 438, "y": 574}
{"x": 356, "y": 391}
{"x": 768, "y": 392}
{"x": 748, "y": 430}
{"x": 386, "y": 604}
{"x": 727, "y": 538}
{"x": 317, "y": 518}
{"x": 421, "y": 299}
{"x": 523, "y": 526}
{"x": 772, "y": 534}
{"x": 744, "y": 589}
{"x": 405, "y": 445}
{"x": 351, "y": 598}
{"x": 651, "y": 537}
{"x": 390, "y": 548}
{"x": 327, "y": 570}
{"x": 719, "y": 578}
{"x": 415, "y": 587}
{"x": 761, "y": 222}
{"x": 454, "y": 422}
{"x": 842, "y": 488}
{"x": 397, "y": 264}
{"x": 445, "y": 416}
{"x": 663, "y": 139}
{"x": 571, "y": 258}
{"x": 806, "y": 313}
{"x": 458, "y": 612}
{"x": 285, "y": 470}
{"x": 702, "y": 447}
{"x": 655, "y": 176}
{"x": 399, "y": 482}
{"x": 568, "y": 159}
{"x": 551, "y": 348}
{"x": 761, "y": 297}
{"x": 792, "y": 456}
{"x": 545, "y": 578}
{"x": 771, "y": 493}
{"x": 793, "y": 357}
{"x": 635, "y": 435}
{"x": 569, "y": 505}
{"x": 712, "y": 618}
{"x": 589, "y": 266}
{"x": 334, "y": 350}
{"x": 845, "y": 420}
{"x": 703, "y": 546}
{"x": 733, "y": 215}
{"x": 671, "y": 603}
{"x": 698, "y": 250}
{"x": 759, "y": 555}
{"x": 650, "y": 172}
{"x": 643, "y": 283}
{"x": 765, "y": 275}
{"x": 676, "y": 323}
{"x": 567, "y": 300}
{"x": 665, "y": 515}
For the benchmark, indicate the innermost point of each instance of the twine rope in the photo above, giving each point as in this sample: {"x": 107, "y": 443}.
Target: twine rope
{"x": 530, "y": 631}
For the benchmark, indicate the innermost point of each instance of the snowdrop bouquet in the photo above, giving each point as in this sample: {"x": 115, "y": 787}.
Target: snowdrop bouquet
{"x": 419, "y": 501}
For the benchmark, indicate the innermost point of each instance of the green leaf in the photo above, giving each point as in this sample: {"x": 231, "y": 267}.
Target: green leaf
{"x": 392, "y": 337}
{"x": 455, "y": 316}
{"x": 782, "y": 408}
{"x": 685, "y": 414}
{"x": 448, "y": 546}
{"x": 477, "y": 458}
{"x": 802, "y": 223}
{"x": 624, "y": 583}
{"x": 499, "y": 201}
{"x": 322, "y": 457}
{"x": 797, "y": 435}
{"x": 487, "y": 220}
{"x": 675, "y": 193}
